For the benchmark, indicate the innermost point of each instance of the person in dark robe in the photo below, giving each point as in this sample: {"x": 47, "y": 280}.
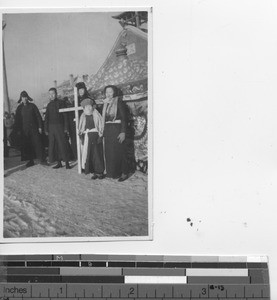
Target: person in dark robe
{"x": 28, "y": 125}
{"x": 114, "y": 115}
{"x": 56, "y": 127}
{"x": 69, "y": 102}
{"x": 91, "y": 126}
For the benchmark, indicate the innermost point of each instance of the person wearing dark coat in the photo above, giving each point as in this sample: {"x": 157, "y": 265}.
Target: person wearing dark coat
{"x": 56, "y": 127}
{"x": 28, "y": 124}
{"x": 115, "y": 119}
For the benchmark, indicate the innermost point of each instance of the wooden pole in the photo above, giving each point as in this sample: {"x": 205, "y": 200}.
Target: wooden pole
{"x": 77, "y": 125}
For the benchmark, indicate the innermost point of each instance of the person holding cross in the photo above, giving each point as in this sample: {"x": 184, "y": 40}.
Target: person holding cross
{"x": 91, "y": 127}
{"x": 56, "y": 126}
{"x": 82, "y": 93}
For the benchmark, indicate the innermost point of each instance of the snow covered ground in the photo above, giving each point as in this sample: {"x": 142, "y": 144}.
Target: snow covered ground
{"x": 42, "y": 202}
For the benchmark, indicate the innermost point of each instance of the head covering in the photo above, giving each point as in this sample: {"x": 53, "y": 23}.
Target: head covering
{"x": 114, "y": 88}
{"x": 53, "y": 89}
{"x": 24, "y": 94}
{"x": 87, "y": 101}
{"x": 81, "y": 85}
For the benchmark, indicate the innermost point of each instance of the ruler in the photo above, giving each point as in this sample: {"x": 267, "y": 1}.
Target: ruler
{"x": 83, "y": 277}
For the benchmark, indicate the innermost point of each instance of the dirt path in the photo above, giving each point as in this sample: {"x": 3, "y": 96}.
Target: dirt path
{"x": 43, "y": 202}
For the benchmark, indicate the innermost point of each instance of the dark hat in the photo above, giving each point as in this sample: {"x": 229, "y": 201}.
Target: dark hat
{"x": 87, "y": 101}
{"x": 53, "y": 89}
{"x": 24, "y": 94}
{"x": 114, "y": 88}
{"x": 81, "y": 85}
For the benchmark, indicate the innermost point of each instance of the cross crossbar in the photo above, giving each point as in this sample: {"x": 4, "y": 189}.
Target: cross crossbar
{"x": 70, "y": 109}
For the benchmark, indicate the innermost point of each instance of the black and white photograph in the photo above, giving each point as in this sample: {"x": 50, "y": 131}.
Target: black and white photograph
{"x": 77, "y": 125}
{"x": 139, "y": 137}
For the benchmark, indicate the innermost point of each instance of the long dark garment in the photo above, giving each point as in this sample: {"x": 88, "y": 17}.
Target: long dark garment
{"x": 115, "y": 152}
{"x": 55, "y": 124}
{"x": 72, "y": 130}
{"x": 32, "y": 146}
{"x": 72, "y": 133}
{"x": 95, "y": 158}
{"x": 58, "y": 145}
{"x": 27, "y": 122}
{"x": 114, "y": 114}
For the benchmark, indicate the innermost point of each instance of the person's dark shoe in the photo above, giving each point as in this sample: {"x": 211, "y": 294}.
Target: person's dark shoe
{"x": 123, "y": 177}
{"x": 94, "y": 177}
{"x": 57, "y": 166}
{"x": 30, "y": 164}
{"x": 101, "y": 176}
{"x": 67, "y": 166}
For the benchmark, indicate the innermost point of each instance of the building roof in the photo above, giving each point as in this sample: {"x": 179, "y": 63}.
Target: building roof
{"x": 126, "y": 65}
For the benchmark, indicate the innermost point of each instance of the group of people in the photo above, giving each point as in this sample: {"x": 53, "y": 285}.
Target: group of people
{"x": 102, "y": 132}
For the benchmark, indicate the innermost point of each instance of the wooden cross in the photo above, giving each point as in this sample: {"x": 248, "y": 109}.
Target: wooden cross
{"x": 76, "y": 108}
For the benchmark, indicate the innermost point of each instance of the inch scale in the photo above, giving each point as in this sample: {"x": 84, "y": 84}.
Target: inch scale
{"x": 142, "y": 277}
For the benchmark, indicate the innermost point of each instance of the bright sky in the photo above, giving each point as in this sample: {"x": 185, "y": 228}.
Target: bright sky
{"x": 43, "y": 47}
